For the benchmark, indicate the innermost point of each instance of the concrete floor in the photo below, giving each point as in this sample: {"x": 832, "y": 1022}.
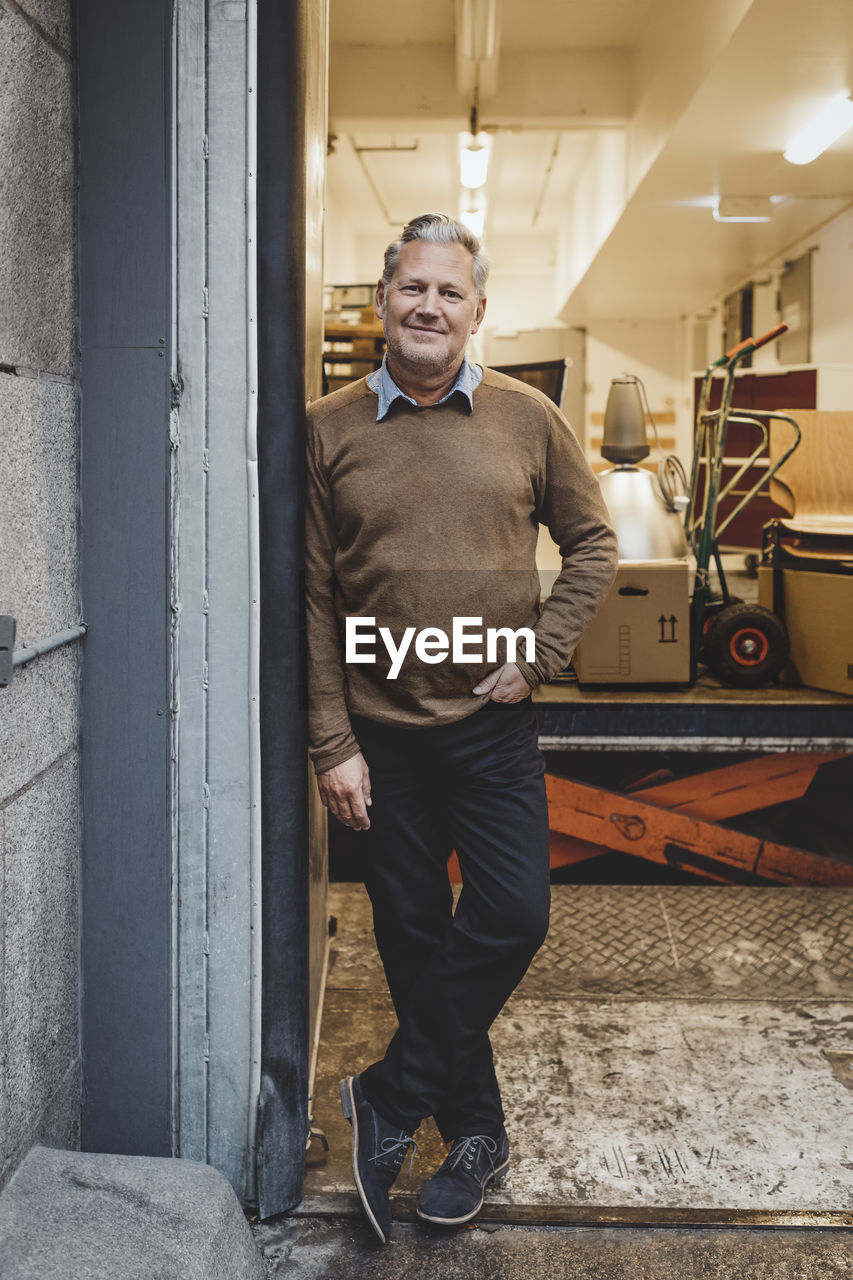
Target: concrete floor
{"x": 674, "y": 1055}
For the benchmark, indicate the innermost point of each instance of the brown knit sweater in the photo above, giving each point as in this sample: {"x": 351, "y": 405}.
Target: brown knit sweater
{"x": 432, "y": 514}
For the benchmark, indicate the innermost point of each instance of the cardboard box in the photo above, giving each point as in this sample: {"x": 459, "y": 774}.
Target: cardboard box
{"x": 819, "y": 615}
{"x": 642, "y": 633}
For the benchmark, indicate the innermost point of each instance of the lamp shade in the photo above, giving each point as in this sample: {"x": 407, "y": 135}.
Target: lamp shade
{"x": 624, "y": 423}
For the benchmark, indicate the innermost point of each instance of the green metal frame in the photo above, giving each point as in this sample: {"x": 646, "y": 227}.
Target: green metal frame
{"x": 709, "y": 447}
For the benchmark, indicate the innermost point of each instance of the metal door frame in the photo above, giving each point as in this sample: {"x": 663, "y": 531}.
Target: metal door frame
{"x": 155, "y": 906}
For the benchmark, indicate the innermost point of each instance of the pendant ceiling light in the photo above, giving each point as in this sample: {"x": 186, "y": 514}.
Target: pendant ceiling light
{"x": 474, "y": 154}
{"x": 474, "y": 220}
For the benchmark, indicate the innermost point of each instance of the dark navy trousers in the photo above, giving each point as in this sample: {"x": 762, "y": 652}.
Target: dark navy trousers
{"x": 477, "y": 786}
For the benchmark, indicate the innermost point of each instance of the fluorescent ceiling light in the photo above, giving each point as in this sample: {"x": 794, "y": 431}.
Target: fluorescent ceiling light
{"x": 713, "y": 202}
{"x": 474, "y": 156}
{"x": 694, "y": 202}
{"x": 477, "y": 29}
{"x": 742, "y": 209}
{"x": 835, "y": 118}
{"x": 474, "y": 220}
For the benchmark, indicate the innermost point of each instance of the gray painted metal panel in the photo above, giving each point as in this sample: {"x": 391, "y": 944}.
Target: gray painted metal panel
{"x": 316, "y": 55}
{"x": 123, "y": 62}
{"x": 212, "y": 573}
{"x": 152, "y": 469}
{"x": 316, "y": 125}
{"x": 124, "y": 294}
{"x": 229, "y": 885}
{"x": 125, "y": 748}
{"x": 190, "y": 586}
{"x": 283, "y": 133}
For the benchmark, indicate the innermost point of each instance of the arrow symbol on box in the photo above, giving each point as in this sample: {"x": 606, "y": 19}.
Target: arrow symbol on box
{"x": 670, "y": 623}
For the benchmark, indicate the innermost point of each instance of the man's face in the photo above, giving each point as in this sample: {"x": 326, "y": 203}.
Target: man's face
{"x": 429, "y": 308}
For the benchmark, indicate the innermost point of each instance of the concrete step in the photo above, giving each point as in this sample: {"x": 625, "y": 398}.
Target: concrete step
{"x": 70, "y": 1215}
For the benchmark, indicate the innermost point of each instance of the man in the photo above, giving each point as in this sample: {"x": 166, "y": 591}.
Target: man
{"x": 427, "y": 484}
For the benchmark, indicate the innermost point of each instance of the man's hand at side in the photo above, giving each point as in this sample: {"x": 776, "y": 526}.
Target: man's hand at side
{"x": 506, "y": 683}
{"x": 345, "y": 791}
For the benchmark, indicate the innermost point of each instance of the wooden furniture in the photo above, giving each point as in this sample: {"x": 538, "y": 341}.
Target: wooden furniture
{"x": 815, "y": 485}
{"x": 351, "y": 350}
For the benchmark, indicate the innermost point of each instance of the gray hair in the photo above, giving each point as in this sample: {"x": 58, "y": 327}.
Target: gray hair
{"x": 437, "y": 228}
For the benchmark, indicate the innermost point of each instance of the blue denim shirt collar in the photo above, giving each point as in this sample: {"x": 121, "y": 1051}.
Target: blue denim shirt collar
{"x": 468, "y": 379}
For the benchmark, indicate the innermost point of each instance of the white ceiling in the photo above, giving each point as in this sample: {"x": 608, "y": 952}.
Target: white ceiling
{"x": 580, "y": 24}
{"x": 540, "y": 24}
{"x": 707, "y": 93}
{"x": 389, "y": 22}
{"x": 783, "y": 62}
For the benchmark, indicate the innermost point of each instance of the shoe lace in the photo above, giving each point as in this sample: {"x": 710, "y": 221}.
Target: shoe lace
{"x": 394, "y": 1150}
{"x": 465, "y": 1151}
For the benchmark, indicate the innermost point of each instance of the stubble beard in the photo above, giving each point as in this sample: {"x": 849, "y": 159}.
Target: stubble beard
{"x": 414, "y": 353}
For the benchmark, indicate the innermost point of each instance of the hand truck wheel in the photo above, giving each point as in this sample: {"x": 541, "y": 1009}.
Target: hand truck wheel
{"x": 746, "y": 645}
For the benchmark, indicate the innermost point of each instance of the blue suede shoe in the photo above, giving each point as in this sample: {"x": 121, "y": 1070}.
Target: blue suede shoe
{"x": 455, "y": 1193}
{"x": 378, "y": 1152}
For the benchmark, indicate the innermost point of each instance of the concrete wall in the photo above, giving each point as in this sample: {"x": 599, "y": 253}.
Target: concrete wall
{"x": 39, "y": 843}
{"x": 651, "y": 349}
{"x": 831, "y": 247}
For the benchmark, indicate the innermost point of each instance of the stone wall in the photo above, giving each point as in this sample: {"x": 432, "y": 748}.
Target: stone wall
{"x": 39, "y": 812}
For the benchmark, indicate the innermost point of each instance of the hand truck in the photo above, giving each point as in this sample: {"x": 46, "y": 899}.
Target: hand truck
{"x": 744, "y": 644}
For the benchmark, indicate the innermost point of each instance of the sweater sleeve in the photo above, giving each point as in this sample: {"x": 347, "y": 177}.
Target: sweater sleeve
{"x": 330, "y": 736}
{"x": 573, "y": 510}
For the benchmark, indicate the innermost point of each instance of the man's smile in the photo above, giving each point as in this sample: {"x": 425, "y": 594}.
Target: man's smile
{"x": 428, "y": 310}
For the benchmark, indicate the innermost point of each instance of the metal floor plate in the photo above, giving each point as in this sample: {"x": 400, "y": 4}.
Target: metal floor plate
{"x": 674, "y": 1054}
{"x": 704, "y": 941}
{"x": 646, "y": 940}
